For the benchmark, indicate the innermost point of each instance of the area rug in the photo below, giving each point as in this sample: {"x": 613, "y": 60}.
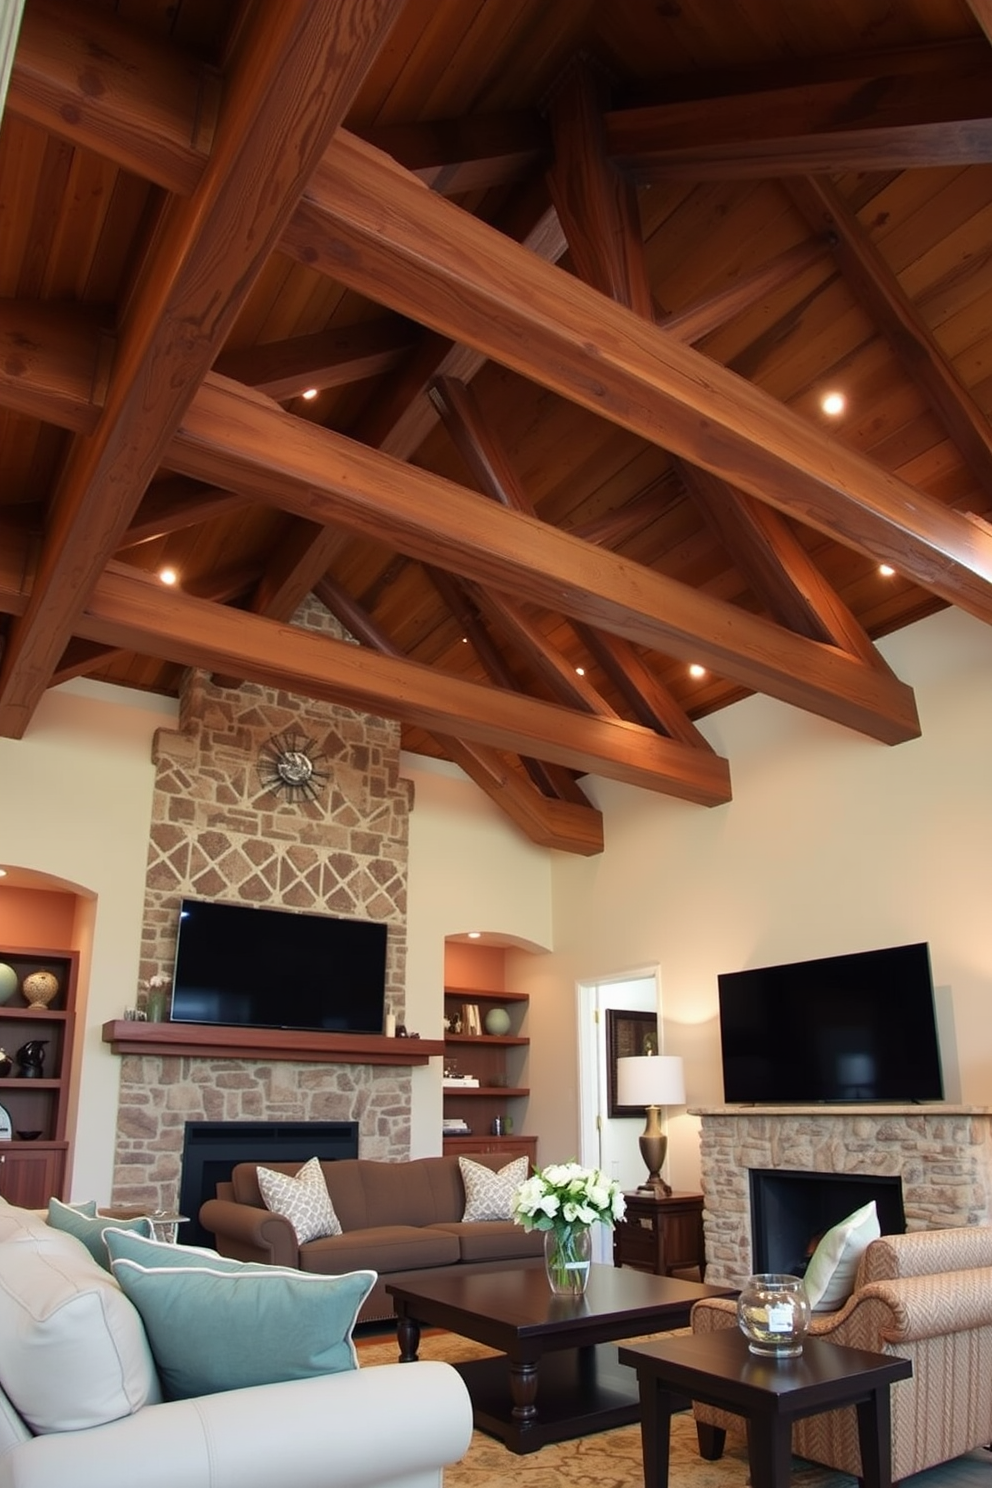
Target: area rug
{"x": 608, "y": 1459}
{"x": 612, "y": 1459}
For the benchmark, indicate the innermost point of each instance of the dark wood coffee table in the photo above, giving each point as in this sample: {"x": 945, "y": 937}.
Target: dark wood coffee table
{"x": 580, "y": 1387}
{"x": 718, "y": 1369}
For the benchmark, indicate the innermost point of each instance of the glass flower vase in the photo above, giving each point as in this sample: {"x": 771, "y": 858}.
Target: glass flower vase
{"x": 567, "y": 1257}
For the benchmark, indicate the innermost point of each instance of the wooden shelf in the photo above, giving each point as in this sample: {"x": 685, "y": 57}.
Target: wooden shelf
{"x": 471, "y": 1091}
{"x": 32, "y": 1172}
{"x": 471, "y": 994}
{"x": 485, "y": 1038}
{"x": 206, "y": 1040}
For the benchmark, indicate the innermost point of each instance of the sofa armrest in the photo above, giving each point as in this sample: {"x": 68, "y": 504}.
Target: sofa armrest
{"x": 312, "y": 1433}
{"x": 248, "y": 1234}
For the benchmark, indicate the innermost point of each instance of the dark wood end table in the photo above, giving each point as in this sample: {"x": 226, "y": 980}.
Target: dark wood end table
{"x": 718, "y": 1369}
{"x": 556, "y": 1375}
{"x": 661, "y": 1233}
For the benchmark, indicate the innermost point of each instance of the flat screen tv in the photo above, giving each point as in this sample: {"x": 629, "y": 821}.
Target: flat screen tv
{"x": 860, "y": 1027}
{"x": 271, "y": 968}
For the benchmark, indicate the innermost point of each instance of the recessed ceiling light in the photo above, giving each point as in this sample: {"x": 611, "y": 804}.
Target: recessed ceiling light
{"x": 696, "y": 670}
{"x": 475, "y": 934}
{"x": 168, "y": 575}
{"x": 833, "y": 403}
{"x": 310, "y": 393}
{"x": 3, "y": 873}
{"x": 886, "y": 570}
{"x": 580, "y": 671}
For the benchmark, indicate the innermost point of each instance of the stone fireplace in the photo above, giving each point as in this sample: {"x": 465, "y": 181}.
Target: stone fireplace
{"x": 942, "y": 1154}
{"x": 219, "y": 832}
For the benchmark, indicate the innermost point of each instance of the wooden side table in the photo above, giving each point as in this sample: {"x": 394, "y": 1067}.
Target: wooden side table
{"x": 661, "y": 1235}
{"x": 718, "y": 1369}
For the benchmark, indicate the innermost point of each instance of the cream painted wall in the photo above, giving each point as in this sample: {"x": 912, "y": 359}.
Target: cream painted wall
{"x": 831, "y": 843}
{"x": 468, "y": 871}
{"x": 75, "y": 803}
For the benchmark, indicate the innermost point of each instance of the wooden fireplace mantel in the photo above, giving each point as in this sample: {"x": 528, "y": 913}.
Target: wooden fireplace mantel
{"x": 215, "y": 1041}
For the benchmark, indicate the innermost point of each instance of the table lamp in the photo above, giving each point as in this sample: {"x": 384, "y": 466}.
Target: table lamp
{"x": 651, "y": 1081}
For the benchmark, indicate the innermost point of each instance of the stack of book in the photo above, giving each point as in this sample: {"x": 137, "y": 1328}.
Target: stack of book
{"x": 454, "y": 1126}
{"x": 460, "y": 1082}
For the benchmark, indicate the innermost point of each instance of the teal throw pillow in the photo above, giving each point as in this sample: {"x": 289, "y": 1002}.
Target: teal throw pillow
{"x": 83, "y": 1221}
{"x": 215, "y": 1324}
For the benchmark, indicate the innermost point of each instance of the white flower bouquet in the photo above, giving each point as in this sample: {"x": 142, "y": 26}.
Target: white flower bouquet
{"x": 565, "y": 1195}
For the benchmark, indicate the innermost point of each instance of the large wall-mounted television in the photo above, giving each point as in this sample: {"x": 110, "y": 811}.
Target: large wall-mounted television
{"x": 272, "y": 968}
{"x": 859, "y": 1027}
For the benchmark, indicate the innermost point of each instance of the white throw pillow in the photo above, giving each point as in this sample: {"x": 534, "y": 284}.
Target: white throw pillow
{"x": 73, "y": 1352}
{"x": 831, "y": 1273}
{"x": 488, "y": 1194}
{"x": 302, "y": 1199}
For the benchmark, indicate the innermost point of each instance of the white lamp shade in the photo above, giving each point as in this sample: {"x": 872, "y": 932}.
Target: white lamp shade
{"x": 650, "y": 1080}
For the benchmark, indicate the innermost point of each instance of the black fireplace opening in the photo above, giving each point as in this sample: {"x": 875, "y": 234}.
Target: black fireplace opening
{"x": 790, "y": 1211}
{"x": 211, "y": 1149}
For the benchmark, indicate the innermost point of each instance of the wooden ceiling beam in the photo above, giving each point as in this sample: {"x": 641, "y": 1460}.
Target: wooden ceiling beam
{"x": 66, "y": 349}
{"x": 597, "y": 207}
{"x": 551, "y": 780}
{"x": 577, "y": 830}
{"x": 696, "y": 321}
{"x": 442, "y": 266}
{"x": 89, "y": 77}
{"x": 776, "y": 565}
{"x": 484, "y": 454}
{"x": 858, "y": 124}
{"x": 138, "y": 614}
{"x": 190, "y": 288}
{"x": 880, "y": 292}
{"x": 234, "y": 437}
{"x": 475, "y": 153}
{"x": 286, "y": 369}
{"x": 175, "y": 504}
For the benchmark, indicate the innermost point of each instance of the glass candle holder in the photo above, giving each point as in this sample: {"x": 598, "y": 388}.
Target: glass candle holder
{"x": 773, "y": 1313}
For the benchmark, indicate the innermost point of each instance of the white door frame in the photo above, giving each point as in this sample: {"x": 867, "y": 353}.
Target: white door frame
{"x": 594, "y": 996}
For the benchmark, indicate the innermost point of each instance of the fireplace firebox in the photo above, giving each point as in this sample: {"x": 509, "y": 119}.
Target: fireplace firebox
{"x": 212, "y": 1148}
{"x": 791, "y": 1210}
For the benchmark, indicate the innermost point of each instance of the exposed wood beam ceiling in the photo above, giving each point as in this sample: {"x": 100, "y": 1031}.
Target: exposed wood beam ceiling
{"x": 503, "y": 335}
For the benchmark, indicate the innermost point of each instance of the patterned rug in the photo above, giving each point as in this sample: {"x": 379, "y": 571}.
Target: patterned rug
{"x": 609, "y": 1459}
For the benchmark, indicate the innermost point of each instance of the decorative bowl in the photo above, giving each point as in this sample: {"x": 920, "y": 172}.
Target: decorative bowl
{"x": 28, "y": 1136}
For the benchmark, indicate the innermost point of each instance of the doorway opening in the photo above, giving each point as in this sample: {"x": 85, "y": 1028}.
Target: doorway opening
{"x": 609, "y": 1142}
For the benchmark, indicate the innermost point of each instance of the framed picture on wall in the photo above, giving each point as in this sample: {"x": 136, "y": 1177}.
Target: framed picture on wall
{"x": 626, "y": 1033}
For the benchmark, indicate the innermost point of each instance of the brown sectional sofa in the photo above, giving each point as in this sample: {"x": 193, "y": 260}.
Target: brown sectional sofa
{"x": 396, "y": 1218}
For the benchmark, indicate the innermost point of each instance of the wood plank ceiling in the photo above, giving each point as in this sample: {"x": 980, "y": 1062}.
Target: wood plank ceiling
{"x": 503, "y": 329}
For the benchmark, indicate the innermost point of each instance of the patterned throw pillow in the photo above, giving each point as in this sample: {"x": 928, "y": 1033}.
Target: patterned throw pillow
{"x": 303, "y": 1200}
{"x": 488, "y": 1193}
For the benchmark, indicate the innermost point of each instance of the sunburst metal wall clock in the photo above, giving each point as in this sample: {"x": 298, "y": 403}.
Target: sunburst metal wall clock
{"x": 291, "y": 763}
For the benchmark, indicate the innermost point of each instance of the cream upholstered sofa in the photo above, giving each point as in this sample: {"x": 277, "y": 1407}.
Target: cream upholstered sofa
{"x": 927, "y": 1297}
{"x": 81, "y": 1402}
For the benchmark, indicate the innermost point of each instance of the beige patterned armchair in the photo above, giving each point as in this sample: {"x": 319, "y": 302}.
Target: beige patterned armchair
{"x": 926, "y": 1296}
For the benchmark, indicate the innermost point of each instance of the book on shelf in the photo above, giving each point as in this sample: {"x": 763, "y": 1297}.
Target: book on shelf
{"x": 471, "y": 1022}
{"x": 464, "y": 1082}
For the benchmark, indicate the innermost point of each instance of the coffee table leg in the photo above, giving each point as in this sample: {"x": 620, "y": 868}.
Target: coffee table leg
{"x": 523, "y": 1389}
{"x": 408, "y": 1338}
{"x": 769, "y": 1450}
{"x": 657, "y": 1405}
{"x": 875, "y": 1439}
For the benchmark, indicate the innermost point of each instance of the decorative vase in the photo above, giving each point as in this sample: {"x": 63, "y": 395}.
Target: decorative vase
{"x": 8, "y": 982}
{"x": 31, "y": 1059}
{"x": 40, "y": 988}
{"x": 498, "y": 1021}
{"x": 773, "y": 1313}
{"x": 156, "y": 1005}
{"x": 567, "y": 1257}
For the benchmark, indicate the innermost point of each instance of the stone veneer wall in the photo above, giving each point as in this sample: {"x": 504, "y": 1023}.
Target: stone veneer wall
{"x": 218, "y": 833}
{"x": 943, "y": 1155}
